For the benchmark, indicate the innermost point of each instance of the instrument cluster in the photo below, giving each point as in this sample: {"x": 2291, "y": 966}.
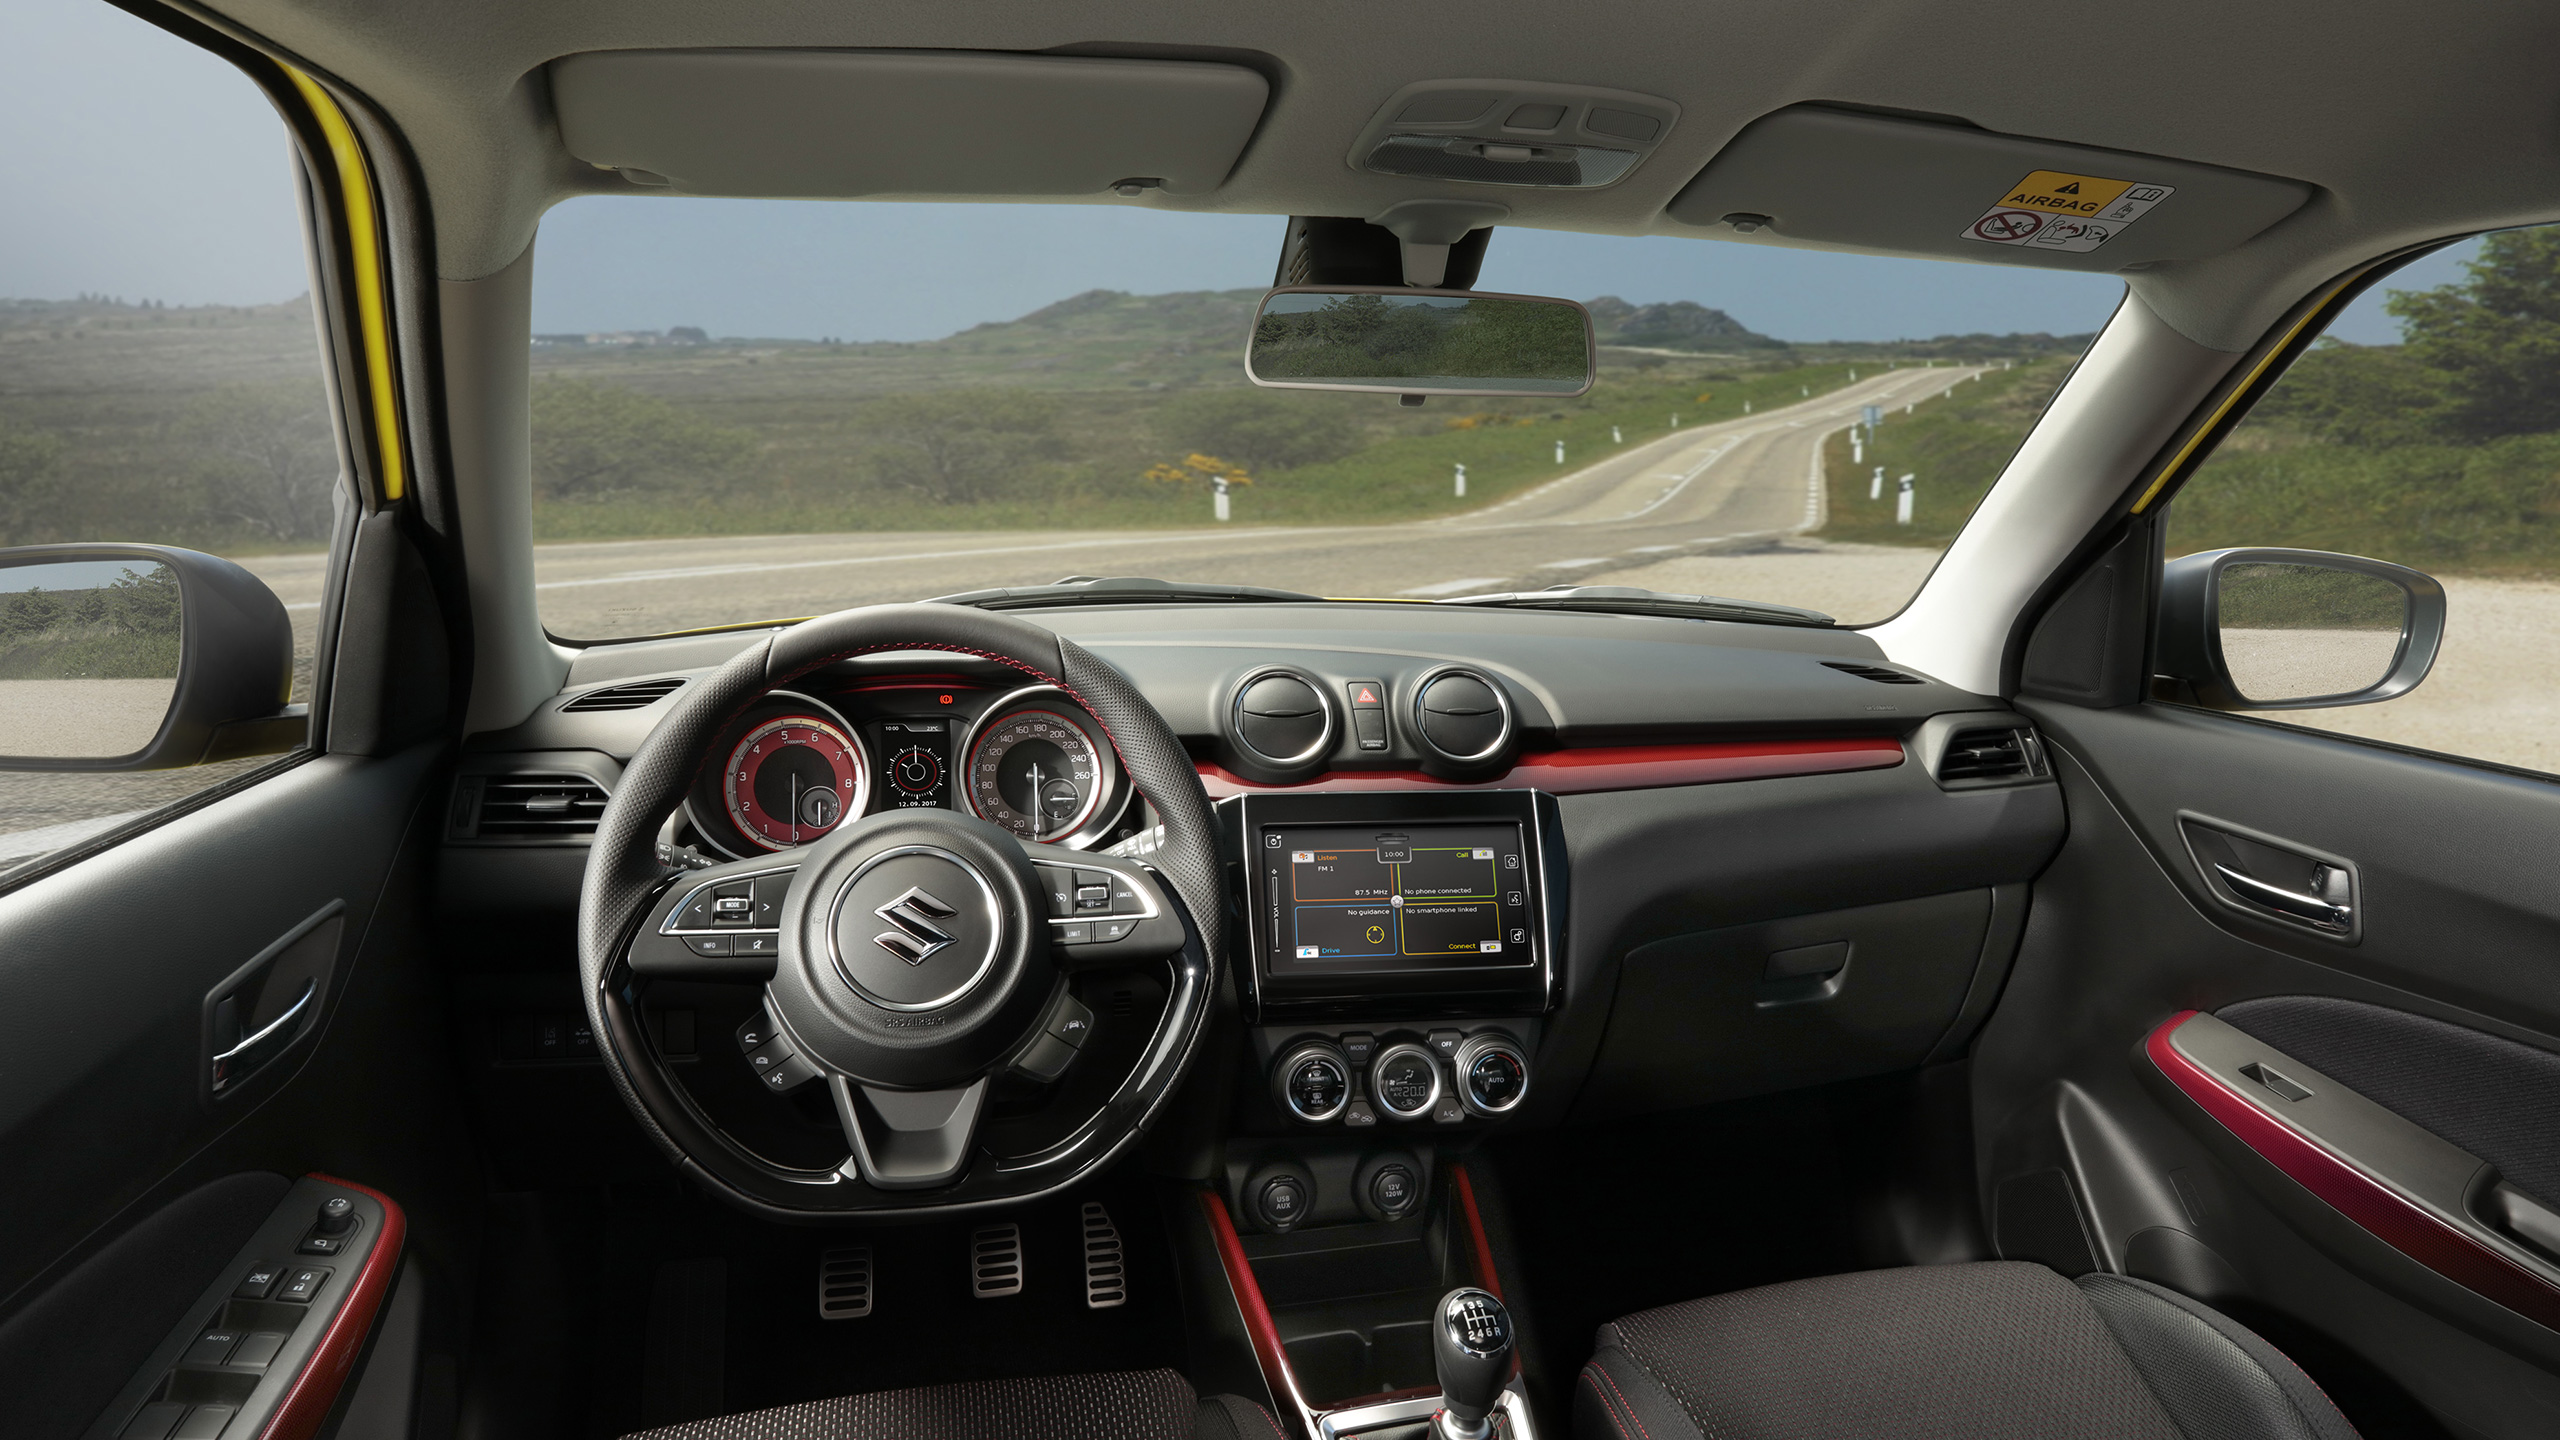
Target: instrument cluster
{"x": 794, "y": 766}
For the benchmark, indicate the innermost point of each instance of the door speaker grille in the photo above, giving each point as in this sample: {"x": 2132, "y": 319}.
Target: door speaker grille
{"x": 1106, "y": 1275}
{"x": 995, "y": 1262}
{"x": 844, "y": 1283}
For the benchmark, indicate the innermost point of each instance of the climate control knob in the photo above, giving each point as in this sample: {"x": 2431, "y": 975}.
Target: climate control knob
{"x": 1312, "y": 1083}
{"x": 1404, "y": 1081}
{"x": 1493, "y": 1074}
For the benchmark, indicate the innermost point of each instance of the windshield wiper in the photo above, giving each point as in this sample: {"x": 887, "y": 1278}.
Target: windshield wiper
{"x": 1113, "y": 590}
{"x": 1630, "y": 600}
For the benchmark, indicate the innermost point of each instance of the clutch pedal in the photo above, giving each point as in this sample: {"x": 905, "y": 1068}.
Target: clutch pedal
{"x": 844, "y": 1283}
{"x": 995, "y": 1262}
{"x": 1106, "y": 1275}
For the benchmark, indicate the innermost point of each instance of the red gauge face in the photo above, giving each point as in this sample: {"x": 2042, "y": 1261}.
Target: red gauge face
{"x": 792, "y": 780}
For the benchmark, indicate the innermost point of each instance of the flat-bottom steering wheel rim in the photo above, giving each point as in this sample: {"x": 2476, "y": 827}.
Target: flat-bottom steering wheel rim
{"x": 624, "y": 878}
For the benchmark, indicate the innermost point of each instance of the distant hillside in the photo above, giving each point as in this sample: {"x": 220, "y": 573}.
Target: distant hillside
{"x": 1679, "y": 325}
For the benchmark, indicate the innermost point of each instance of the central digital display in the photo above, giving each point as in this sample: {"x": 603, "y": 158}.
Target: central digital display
{"x": 1418, "y": 897}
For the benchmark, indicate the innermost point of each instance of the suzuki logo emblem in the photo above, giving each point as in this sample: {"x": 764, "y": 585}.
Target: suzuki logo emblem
{"x": 915, "y": 937}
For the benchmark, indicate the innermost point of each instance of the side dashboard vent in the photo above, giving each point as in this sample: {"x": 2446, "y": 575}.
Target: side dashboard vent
{"x": 633, "y": 696}
{"x": 526, "y": 807}
{"x": 1877, "y": 673}
{"x": 1990, "y": 756}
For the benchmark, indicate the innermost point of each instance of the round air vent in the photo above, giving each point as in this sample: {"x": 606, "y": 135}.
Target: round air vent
{"x": 1462, "y": 716}
{"x": 1281, "y": 718}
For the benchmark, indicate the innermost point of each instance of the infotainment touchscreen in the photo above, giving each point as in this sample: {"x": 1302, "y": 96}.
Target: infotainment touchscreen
{"x": 1341, "y": 899}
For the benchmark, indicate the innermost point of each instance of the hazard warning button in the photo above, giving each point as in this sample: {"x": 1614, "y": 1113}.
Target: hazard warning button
{"x": 1368, "y": 713}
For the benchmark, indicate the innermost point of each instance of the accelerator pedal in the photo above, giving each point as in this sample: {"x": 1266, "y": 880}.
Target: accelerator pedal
{"x": 1106, "y": 1275}
{"x": 844, "y": 1283}
{"x": 995, "y": 1262}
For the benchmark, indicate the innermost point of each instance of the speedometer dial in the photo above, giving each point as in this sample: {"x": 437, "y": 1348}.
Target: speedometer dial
{"x": 791, "y": 779}
{"x": 1035, "y": 773}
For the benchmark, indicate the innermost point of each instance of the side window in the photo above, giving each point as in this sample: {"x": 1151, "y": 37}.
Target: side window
{"x": 2423, "y": 430}
{"x": 160, "y": 383}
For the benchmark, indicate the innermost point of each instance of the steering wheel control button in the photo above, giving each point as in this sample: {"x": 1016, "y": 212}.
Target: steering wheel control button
{"x": 1078, "y": 932}
{"x": 261, "y": 1281}
{"x": 1046, "y": 1058}
{"x": 1125, "y": 899}
{"x": 1493, "y": 1075}
{"x": 769, "y": 1056}
{"x": 1069, "y": 1020}
{"x": 1405, "y": 1081}
{"x": 712, "y": 944}
{"x": 756, "y": 943}
{"x": 1105, "y": 931}
{"x": 791, "y": 1074}
{"x": 1312, "y": 1082}
{"x": 1059, "y": 884}
{"x": 915, "y": 928}
{"x": 755, "y": 1032}
{"x": 302, "y": 1286}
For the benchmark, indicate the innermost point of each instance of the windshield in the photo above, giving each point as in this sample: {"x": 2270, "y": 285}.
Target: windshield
{"x": 752, "y": 410}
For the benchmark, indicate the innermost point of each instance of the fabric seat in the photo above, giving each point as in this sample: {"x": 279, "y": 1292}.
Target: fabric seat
{"x": 1115, "y": 1405}
{"x": 1984, "y": 1352}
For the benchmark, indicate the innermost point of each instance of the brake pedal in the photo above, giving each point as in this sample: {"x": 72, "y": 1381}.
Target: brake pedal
{"x": 844, "y": 1283}
{"x": 1106, "y": 1276}
{"x": 995, "y": 1262}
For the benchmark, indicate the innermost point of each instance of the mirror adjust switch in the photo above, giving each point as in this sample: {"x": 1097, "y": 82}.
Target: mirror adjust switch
{"x": 260, "y": 1282}
{"x": 303, "y": 1285}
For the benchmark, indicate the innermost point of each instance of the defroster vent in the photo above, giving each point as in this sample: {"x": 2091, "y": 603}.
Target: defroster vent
{"x": 1877, "y": 673}
{"x": 625, "y": 697}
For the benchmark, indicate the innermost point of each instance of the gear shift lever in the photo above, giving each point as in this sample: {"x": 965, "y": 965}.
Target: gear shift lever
{"x": 1471, "y": 1348}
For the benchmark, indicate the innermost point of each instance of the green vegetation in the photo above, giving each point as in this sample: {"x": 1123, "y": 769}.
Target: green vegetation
{"x": 1956, "y": 445}
{"x": 126, "y": 629}
{"x": 2308, "y": 597}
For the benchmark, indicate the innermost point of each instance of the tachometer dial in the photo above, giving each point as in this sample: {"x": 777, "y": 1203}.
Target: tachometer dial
{"x": 1035, "y": 773}
{"x": 791, "y": 779}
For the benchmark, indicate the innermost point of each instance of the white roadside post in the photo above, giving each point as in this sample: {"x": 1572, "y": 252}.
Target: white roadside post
{"x": 1462, "y": 481}
{"x": 1746, "y": 407}
{"x": 1559, "y": 452}
{"x": 1875, "y": 487}
{"x": 1615, "y": 438}
{"x": 1857, "y": 447}
{"x": 1218, "y": 488}
{"x": 1902, "y": 502}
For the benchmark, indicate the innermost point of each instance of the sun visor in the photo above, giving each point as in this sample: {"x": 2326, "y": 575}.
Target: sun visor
{"x": 1913, "y": 187}
{"x": 837, "y": 124}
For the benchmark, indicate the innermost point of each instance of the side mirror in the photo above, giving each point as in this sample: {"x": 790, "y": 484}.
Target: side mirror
{"x": 2293, "y": 630}
{"x": 1398, "y": 341}
{"x": 140, "y": 657}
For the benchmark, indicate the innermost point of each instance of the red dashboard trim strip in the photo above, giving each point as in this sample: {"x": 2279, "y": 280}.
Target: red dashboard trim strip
{"x": 1463, "y": 1187}
{"x": 1607, "y": 767}
{"x": 1267, "y": 1349}
{"x": 2381, "y": 1211}
{"x": 306, "y": 1405}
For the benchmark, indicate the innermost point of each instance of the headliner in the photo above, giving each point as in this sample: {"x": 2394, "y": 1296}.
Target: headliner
{"x": 2411, "y": 130}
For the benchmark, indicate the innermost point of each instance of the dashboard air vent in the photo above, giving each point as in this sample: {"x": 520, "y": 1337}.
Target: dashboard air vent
{"x": 1989, "y": 756}
{"x": 521, "y": 807}
{"x": 1462, "y": 716}
{"x": 1283, "y": 719}
{"x": 625, "y": 697}
{"x": 1877, "y": 673}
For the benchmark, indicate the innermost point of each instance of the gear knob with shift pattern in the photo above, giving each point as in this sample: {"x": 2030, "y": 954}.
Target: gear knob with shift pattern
{"x": 1471, "y": 1348}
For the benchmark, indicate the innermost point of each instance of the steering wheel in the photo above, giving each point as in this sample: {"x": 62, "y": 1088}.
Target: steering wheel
{"x": 960, "y": 983}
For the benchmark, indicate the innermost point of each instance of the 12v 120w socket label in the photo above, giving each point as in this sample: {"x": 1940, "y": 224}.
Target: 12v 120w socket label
{"x": 2052, "y": 210}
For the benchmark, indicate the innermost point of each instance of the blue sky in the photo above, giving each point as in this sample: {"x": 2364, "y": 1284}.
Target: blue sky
{"x": 85, "y": 88}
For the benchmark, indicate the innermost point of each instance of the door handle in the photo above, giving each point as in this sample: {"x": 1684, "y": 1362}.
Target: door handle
{"x": 243, "y": 1059}
{"x": 2333, "y": 916}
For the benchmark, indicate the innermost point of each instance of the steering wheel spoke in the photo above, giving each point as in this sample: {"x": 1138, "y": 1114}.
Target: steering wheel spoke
{"x": 908, "y": 1139}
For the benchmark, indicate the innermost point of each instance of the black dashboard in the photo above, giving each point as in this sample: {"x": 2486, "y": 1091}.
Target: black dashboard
{"x": 1490, "y": 867}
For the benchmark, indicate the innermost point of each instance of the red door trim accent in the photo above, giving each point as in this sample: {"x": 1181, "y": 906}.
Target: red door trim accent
{"x": 1462, "y": 1185}
{"x": 307, "y": 1403}
{"x": 1607, "y": 767}
{"x": 2380, "y": 1210}
{"x": 1258, "y": 1325}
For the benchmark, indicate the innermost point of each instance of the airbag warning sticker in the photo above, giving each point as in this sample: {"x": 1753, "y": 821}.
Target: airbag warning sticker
{"x": 2054, "y": 211}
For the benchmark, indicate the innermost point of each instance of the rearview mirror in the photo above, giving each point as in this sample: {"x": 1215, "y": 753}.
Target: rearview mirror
{"x": 139, "y": 657}
{"x": 1398, "y": 341}
{"x": 2259, "y": 629}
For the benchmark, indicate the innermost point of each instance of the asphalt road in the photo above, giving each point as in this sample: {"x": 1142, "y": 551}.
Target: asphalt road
{"x": 1694, "y": 491}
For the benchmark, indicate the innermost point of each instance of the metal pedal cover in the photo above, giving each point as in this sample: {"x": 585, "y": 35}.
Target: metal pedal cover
{"x": 995, "y": 1262}
{"x": 844, "y": 1283}
{"x": 1106, "y": 1278}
